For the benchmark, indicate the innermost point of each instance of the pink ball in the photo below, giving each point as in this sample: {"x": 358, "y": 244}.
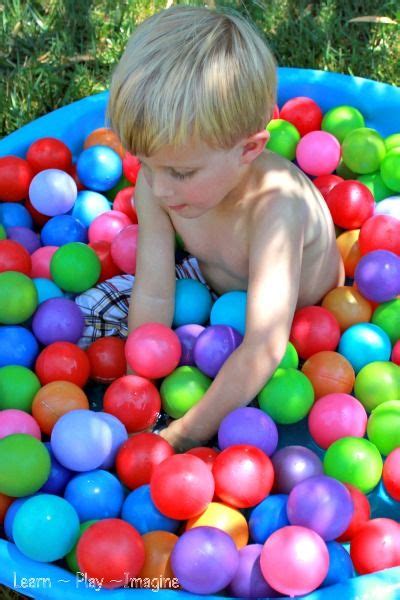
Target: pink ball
{"x": 107, "y": 226}
{"x": 153, "y": 350}
{"x": 294, "y": 560}
{"x": 123, "y": 249}
{"x": 396, "y": 353}
{"x": 318, "y": 153}
{"x": 14, "y": 421}
{"x": 335, "y": 416}
{"x": 41, "y": 260}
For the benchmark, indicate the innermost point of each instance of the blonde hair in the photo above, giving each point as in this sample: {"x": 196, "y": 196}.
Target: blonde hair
{"x": 195, "y": 73}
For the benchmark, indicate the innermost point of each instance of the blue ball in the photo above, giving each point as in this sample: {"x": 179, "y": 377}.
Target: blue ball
{"x": 340, "y": 565}
{"x": 140, "y": 512}
{"x": 18, "y": 346}
{"x": 230, "y": 309}
{"x": 99, "y": 168}
{"x": 13, "y": 214}
{"x": 192, "y": 303}
{"x": 46, "y": 289}
{"x": 267, "y": 517}
{"x": 95, "y": 495}
{"x": 89, "y": 205}
{"x": 10, "y": 516}
{"x": 364, "y": 343}
{"x": 59, "y": 476}
{"x": 63, "y": 229}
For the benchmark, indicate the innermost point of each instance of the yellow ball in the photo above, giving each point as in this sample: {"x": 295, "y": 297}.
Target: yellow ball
{"x": 226, "y": 518}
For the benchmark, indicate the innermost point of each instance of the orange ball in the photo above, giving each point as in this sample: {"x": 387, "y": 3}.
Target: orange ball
{"x": 54, "y": 400}
{"x": 5, "y": 503}
{"x": 349, "y": 249}
{"x": 104, "y": 137}
{"x": 158, "y": 546}
{"x": 226, "y": 518}
{"x": 348, "y": 306}
{"x": 329, "y": 372}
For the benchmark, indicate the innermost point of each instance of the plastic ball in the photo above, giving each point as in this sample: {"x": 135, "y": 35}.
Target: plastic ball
{"x": 183, "y": 389}
{"x": 391, "y": 474}
{"x": 58, "y": 320}
{"x": 226, "y": 518}
{"x": 139, "y": 510}
{"x": 153, "y": 350}
{"x": 18, "y": 421}
{"x": 41, "y": 259}
{"x": 10, "y": 516}
{"x": 325, "y": 183}
{"x": 390, "y": 169}
{"x": 230, "y": 309}
{"x": 340, "y": 120}
{"x": 63, "y": 361}
{"x": 119, "y": 435}
{"x": 108, "y": 267}
{"x": 284, "y": 138}
{"x": 363, "y": 150}
{"x": 287, "y": 397}
{"x": 348, "y": 306}
{"x": 374, "y": 183}
{"x": 104, "y": 136}
{"x": 25, "y": 465}
{"x": 56, "y": 399}
{"x": 131, "y": 167}
{"x": 18, "y": 297}
{"x": 377, "y": 275}
{"x": 387, "y": 317}
{"x": 376, "y": 546}
{"x": 134, "y": 400}
{"x": 95, "y": 495}
{"x": 350, "y": 203}
{"x": 188, "y": 335}
{"x": 192, "y": 303}
{"x": 88, "y": 206}
{"x": 52, "y": 192}
{"x": 157, "y": 568}
{"x": 14, "y": 215}
{"x": 364, "y": 343}
{"x": 99, "y": 168}
{"x": 290, "y": 359}
{"x": 267, "y": 517}
{"x": 18, "y": 346}
{"x": 395, "y": 357}
{"x": 356, "y": 461}
{"x": 383, "y": 426}
{"x": 62, "y": 230}
{"x": 14, "y": 257}
{"x": 106, "y": 359}
{"x": 49, "y": 153}
{"x": 75, "y": 267}
{"x": 335, "y": 416}
{"x": 389, "y": 206}
{"x": 204, "y": 560}
{"x": 123, "y": 249}
{"x": 318, "y": 153}
{"x": 121, "y": 184}
{"x": 15, "y": 177}
{"x": 124, "y": 202}
{"x": 303, "y": 113}
{"x": 377, "y": 383}
{"x": 347, "y": 243}
{"x": 361, "y": 513}
{"x": 18, "y": 386}
{"x": 113, "y": 550}
{"x": 329, "y": 372}
{"x": 214, "y": 346}
{"x": 107, "y": 226}
{"x": 314, "y": 329}
{"x": 292, "y": 465}
{"x": 249, "y": 581}
{"x": 26, "y": 237}
{"x": 380, "y": 232}
{"x": 5, "y": 503}
{"x": 206, "y": 454}
{"x": 392, "y": 141}
{"x": 248, "y": 425}
{"x": 340, "y": 565}
{"x": 181, "y": 486}
{"x": 71, "y": 558}
{"x": 58, "y": 478}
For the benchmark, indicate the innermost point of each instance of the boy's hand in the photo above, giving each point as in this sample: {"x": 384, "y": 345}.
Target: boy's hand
{"x": 174, "y": 434}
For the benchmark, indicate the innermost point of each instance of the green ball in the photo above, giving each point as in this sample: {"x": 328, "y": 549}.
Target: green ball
{"x": 287, "y": 397}
{"x": 343, "y": 171}
{"x": 284, "y": 138}
{"x": 122, "y": 184}
{"x": 290, "y": 359}
{"x": 339, "y": 121}
{"x": 376, "y": 383}
{"x": 383, "y": 427}
{"x": 18, "y": 297}
{"x": 75, "y": 267}
{"x": 387, "y": 317}
{"x": 70, "y": 558}
{"x": 25, "y": 465}
{"x": 363, "y": 150}
{"x": 390, "y": 169}
{"x": 18, "y": 387}
{"x": 181, "y": 390}
{"x": 392, "y": 141}
{"x": 356, "y": 461}
{"x": 3, "y": 233}
{"x": 374, "y": 183}
{"x": 179, "y": 242}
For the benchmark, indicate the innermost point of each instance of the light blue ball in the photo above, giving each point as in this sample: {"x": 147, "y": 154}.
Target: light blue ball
{"x": 18, "y": 346}
{"x": 13, "y": 214}
{"x": 267, "y": 517}
{"x": 364, "y": 343}
{"x": 89, "y": 205}
{"x": 192, "y": 303}
{"x": 230, "y": 309}
{"x": 95, "y": 495}
{"x": 46, "y": 289}
{"x": 62, "y": 230}
{"x": 340, "y": 565}
{"x": 46, "y": 527}
{"x": 140, "y": 512}
{"x": 99, "y": 168}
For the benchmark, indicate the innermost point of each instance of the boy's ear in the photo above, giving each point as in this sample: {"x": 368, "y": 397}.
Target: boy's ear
{"x": 253, "y": 146}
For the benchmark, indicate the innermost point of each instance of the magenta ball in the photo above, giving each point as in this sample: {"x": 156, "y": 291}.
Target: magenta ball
{"x": 318, "y": 153}
{"x": 58, "y": 320}
{"x": 377, "y": 275}
{"x": 107, "y": 226}
{"x": 123, "y": 249}
{"x": 14, "y": 421}
{"x": 153, "y": 350}
{"x": 248, "y": 425}
{"x": 41, "y": 259}
{"x": 249, "y": 581}
{"x": 292, "y": 465}
{"x": 294, "y": 560}
{"x": 188, "y": 335}
{"x": 53, "y": 192}
{"x": 29, "y": 239}
{"x": 214, "y": 346}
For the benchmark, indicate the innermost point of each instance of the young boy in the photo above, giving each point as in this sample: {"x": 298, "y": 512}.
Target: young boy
{"x": 190, "y": 98}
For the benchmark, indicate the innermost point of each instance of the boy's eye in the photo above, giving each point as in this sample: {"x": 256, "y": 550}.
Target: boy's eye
{"x": 181, "y": 175}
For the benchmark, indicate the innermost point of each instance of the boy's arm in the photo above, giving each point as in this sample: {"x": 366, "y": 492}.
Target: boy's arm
{"x": 274, "y": 278}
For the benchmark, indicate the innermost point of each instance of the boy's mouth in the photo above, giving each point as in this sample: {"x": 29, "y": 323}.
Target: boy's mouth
{"x": 177, "y": 206}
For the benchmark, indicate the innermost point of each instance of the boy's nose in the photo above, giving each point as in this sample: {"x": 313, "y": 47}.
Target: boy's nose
{"x": 161, "y": 188}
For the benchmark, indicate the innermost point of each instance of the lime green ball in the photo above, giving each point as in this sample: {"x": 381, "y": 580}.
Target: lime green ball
{"x": 75, "y": 267}
{"x": 390, "y": 169}
{"x": 376, "y": 383}
{"x": 181, "y": 390}
{"x": 339, "y": 121}
{"x": 356, "y": 461}
{"x": 392, "y": 141}
{"x": 287, "y": 397}
{"x": 383, "y": 427}
{"x": 374, "y": 183}
{"x": 3, "y": 233}
{"x": 25, "y": 465}
{"x": 387, "y": 316}
{"x": 343, "y": 171}
{"x": 70, "y": 558}
{"x": 122, "y": 183}
{"x": 290, "y": 359}
{"x": 18, "y": 387}
{"x": 363, "y": 150}
{"x": 284, "y": 138}
{"x": 179, "y": 242}
{"x": 18, "y": 297}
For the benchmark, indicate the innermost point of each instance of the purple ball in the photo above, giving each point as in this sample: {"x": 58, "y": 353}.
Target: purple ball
{"x": 24, "y": 236}
{"x": 188, "y": 335}
{"x": 322, "y": 504}
{"x": 204, "y": 560}
{"x": 249, "y": 581}
{"x": 119, "y": 435}
{"x": 58, "y": 320}
{"x": 292, "y": 465}
{"x": 214, "y": 346}
{"x": 377, "y": 275}
{"x": 248, "y": 425}
{"x": 53, "y": 192}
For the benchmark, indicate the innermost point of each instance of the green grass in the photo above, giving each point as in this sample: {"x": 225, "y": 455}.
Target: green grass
{"x": 53, "y": 52}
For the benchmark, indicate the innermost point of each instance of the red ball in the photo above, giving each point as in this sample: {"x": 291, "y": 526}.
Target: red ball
{"x": 63, "y": 361}
{"x": 380, "y": 232}
{"x": 49, "y": 153}
{"x": 275, "y": 114}
{"x": 107, "y": 226}
{"x": 208, "y": 455}
{"x": 138, "y": 456}
{"x": 153, "y": 350}
{"x": 15, "y": 177}
{"x": 182, "y": 486}
{"x": 131, "y": 167}
{"x": 107, "y": 359}
{"x": 303, "y": 113}
{"x": 396, "y": 353}
{"x": 326, "y": 183}
{"x": 123, "y": 249}
{"x": 376, "y": 546}
{"x": 314, "y": 329}
{"x": 14, "y": 257}
{"x": 124, "y": 203}
{"x": 361, "y": 514}
{"x": 243, "y": 475}
{"x": 351, "y": 203}
{"x": 74, "y": 175}
{"x": 134, "y": 400}
{"x": 391, "y": 474}
{"x": 112, "y": 551}
{"x": 108, "y": 267}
